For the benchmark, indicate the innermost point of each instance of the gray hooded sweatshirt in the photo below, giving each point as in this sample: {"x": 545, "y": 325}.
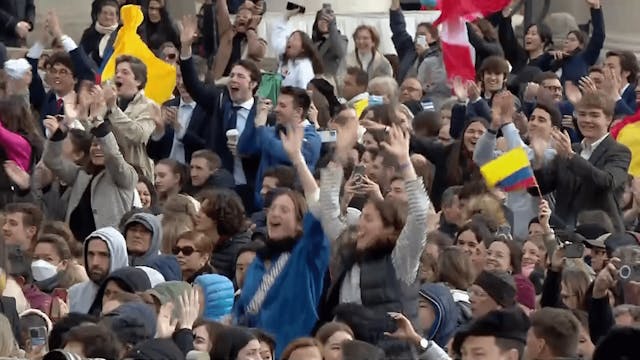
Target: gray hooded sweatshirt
{"x": 82, "y": 295}
{"x": 152, "y": 223}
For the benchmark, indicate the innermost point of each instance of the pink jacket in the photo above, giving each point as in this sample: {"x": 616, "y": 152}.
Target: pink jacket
{"x": 16, "y": 147}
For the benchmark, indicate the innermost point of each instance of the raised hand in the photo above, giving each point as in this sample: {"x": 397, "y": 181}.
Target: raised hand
{"x": 587, "y": 85}
{"x": 531, "y": 91}
{"x": 22, "y": 29}
{"x": 473, "y": 90}
{"x": 398, "y": 144}
{"x": 595, "y": 4}
{"x": 292, "y": 142}
{"x": 264, "y": 107}
{"x": 17, "y": 175}
{"x": 189, "y": 30}
{"x": 405, "y": 330}
{"x": 53, "y": 24}
{"x": 189, "y": 308}
{"x": 544, "y": 214}
{"x": 460, "y": 90}
{"x": 562, "y": 142}
{"x": 313, "y": 115}
{"x": 370, "y": 188}
{"x": 52, "y": 124}
{"x": 574, "y": 95}
{"x": 165, "y": 325}
{"x": 502, "y": 109}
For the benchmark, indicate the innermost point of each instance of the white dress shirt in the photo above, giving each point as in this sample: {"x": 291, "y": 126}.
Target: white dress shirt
{"x": 241, "y": 123}
{"x": 185, "y": 111}
{"x": 588, "y": 149}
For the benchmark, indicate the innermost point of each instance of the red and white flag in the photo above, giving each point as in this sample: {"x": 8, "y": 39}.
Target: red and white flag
{"x": 457, "y": 52}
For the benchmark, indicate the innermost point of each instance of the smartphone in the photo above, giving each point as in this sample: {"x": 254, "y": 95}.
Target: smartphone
{"x": 294, "y": 6}
{"x": 358, "y": 174}
{"x": 574, "y": 251}
{"x": 421, "y": 40}
{"x": 38, "y": 336}
{"x": 629, "y": 272}
{"x": 328, "y": 136}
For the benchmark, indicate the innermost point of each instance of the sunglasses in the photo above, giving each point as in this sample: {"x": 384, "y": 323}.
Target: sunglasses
{"x": 186, "y": 251}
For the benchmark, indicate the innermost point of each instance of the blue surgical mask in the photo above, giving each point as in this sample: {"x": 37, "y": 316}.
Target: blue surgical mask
{"x": 376, "y": 100}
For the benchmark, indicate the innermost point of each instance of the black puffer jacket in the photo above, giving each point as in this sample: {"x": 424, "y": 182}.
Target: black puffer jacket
{"x": 225, "y": 254}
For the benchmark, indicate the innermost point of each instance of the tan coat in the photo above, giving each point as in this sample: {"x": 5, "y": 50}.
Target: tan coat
{"x": 132, "y": 129}
{"x": 256, "y": 47}
{"x": 379, "y": 65}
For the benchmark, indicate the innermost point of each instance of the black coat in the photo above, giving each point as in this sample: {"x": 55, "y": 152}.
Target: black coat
{"x": 225, "y": 254}
{"x": 594, "y": 184}
{"x": 196, "y": 137}
{"x": 8, "y": 309}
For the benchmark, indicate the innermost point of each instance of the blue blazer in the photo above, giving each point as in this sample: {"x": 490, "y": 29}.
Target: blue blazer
{"x": 215, "y": 102}
{"x": 195, "y": 138}
{"x": 629, "y": 105}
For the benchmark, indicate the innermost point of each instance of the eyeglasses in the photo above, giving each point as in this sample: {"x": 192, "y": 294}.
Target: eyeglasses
{"x": 186, "y": 251}
{"x": 170, "y": 56}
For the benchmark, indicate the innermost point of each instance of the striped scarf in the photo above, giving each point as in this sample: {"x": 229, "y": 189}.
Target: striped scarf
{"x": 267, "y": 281}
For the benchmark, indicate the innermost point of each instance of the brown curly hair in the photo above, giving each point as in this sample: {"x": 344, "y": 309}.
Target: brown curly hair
{"x": 225, "y": 208}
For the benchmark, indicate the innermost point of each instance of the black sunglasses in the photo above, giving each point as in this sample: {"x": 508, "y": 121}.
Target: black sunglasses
{"x": 186, "y": 251}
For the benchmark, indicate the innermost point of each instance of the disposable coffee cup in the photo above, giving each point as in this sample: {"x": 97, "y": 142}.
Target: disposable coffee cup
{"x": 232, "y": 135}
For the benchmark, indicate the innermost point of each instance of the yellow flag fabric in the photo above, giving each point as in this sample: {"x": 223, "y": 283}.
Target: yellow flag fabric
{"x": 630, "y": 136}
{"x": 505, "y": 166}
{"x": 161, "y": 77}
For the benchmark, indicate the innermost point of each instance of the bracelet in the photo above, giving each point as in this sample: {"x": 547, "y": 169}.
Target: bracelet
{"x": 491, "y": 131}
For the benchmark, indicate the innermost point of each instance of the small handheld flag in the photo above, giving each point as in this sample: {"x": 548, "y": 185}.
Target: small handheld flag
{"x": 511, "y": 171}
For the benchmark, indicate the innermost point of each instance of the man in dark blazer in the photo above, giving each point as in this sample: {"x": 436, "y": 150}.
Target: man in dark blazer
{"x": 65, "y": 70}
{"x": 589, "y": 175}
{"x": 625, "y": 66}
{"x": 231, "y": 109}
{"x": 192, "y": 122}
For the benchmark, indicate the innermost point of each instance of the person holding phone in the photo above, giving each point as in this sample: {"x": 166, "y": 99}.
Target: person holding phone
{"x": 331, "y": 44}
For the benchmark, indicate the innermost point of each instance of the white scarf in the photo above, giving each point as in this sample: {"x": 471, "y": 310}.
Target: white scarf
{"x": 106, "y": 32}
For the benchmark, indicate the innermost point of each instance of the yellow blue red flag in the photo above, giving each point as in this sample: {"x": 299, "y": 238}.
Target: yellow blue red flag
{"x": 161, "y": 77}
{"x": 510, "y": 171}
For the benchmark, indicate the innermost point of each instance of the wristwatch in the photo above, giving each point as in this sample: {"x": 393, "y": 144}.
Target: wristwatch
{"x": 424, "y": 345}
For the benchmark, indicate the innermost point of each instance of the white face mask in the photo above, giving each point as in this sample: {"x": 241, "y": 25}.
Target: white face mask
{"x": 43, "y": 270}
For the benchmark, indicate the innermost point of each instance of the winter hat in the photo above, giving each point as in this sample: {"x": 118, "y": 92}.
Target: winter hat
{"x": 167, "y": 265}
{"x": 170, "y": 291}
{"x": 512, "y": 324}
{"x": 133, "y": 322}
{"x": 525, "y": 291}
{"x": 618, "y": 240}
{"x": 499, "y": 285}
{"x": 16, "y": 68}
{"x": 360, "y": 350}
{"x": 156, "y": 349}
{"x": 590, "y": 231}
{"x": 155, "y": 277}
{"x": 218, "y": 296}
{"x": 445, "y": 310}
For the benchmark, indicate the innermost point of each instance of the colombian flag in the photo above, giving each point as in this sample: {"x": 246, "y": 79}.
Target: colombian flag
{"x": 627, "y": 132}
{"x": 511, "y": 171}
{"x": 161, "y": 77}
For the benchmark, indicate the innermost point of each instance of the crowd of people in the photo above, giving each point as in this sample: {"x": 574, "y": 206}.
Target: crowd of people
{"x": 331, "y": 210}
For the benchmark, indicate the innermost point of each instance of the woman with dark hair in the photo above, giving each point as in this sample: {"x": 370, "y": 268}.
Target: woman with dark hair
{"x": 454, "y": 162}
{"x": 147, "y": 194}
{"x": 205, "y": 335}
{"x": 578, "y": 54}
{"x": 366, "y": 55}
{"x": 222, "y": 218}
{"x": 158, "y": 27}
{"x": 193, "y": 252}
{"x": 100, "y": 35}
{"x": 331, "y": 44}
{"x": 537, "y": 39}
{"x": 474, "y": 238}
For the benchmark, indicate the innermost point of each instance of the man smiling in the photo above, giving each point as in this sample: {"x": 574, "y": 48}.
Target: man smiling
{"x": 590, "y": 175}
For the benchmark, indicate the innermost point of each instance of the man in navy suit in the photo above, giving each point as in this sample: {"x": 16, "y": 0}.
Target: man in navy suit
{"x": 64, "y": 69}
{"x": 189, "y": 124}
{"x": 231, "y": 109}
{"x": 625, "y": 66}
